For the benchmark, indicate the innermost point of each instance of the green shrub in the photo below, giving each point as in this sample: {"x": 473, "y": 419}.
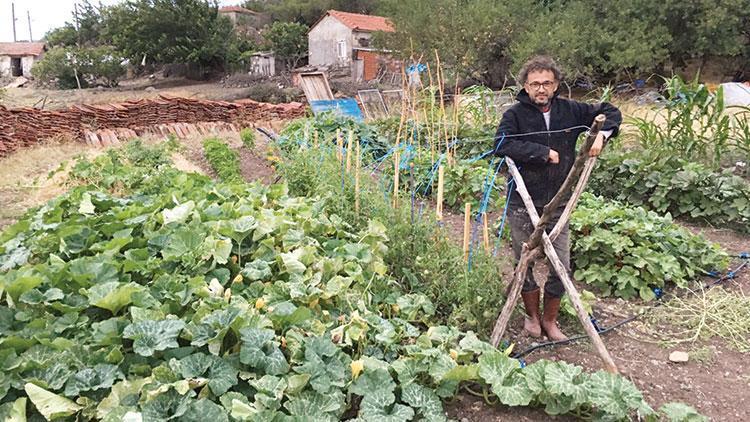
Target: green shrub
{"x": 627, "y": 251}
{"x": 666, "y": 183}
{"x": 248, "y": 137}
{"x": 92, "y": 65}
{"x": 223, "y": 160}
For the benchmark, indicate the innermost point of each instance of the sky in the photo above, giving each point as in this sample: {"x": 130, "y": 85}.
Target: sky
{"x": 45, "y": 15}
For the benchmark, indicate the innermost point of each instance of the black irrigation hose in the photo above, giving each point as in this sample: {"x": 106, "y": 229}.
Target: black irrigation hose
{"x": 730, "y": 275}
{"x": 572, "y": 339}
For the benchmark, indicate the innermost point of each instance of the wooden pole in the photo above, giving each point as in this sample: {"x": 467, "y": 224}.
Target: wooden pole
{"x": 439, "y": 205}
{"x": 357, "y": 168}
{"x": 396, "y": 165}
{"x": 349, "y": 144}
{"x": 467, "y": 229}
{"x": 485, "y": 233}
{"x": 339, "y": 146}
{"x": 315, "y": 138}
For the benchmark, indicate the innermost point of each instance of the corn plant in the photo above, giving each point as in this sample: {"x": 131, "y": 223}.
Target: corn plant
{"x": 695, "y": 125}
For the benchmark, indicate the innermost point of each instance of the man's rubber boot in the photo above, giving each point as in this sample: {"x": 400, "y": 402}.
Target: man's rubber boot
{"x": 531, "y": 322}
{"x": 549, "y": 319}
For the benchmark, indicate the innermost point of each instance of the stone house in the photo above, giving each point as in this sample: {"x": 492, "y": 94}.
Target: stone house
{"x": 17, "y": 58}
{"x": 342, "y": 40}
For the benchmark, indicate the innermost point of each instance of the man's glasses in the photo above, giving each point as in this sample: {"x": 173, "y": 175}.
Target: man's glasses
{"x": 536, "y": 85}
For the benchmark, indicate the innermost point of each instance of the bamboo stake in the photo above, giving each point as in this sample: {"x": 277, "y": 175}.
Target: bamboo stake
{"x": 350, "y": 141}
{"x": 339, "y": 146}
{"x": 357, "y": 168}
{"x": 396, "y": 165}
{"x": 315, "y": 138}
{"x": 467, "y": 230}
{"x": 439, "y": 206}
{"x": 443, "y": 117}
{"x": 485, "y": 233}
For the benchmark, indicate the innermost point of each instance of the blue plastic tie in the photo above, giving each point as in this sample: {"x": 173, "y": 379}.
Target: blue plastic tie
{"x": 658, "y": 292}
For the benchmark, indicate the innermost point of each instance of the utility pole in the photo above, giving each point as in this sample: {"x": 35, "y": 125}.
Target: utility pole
{"x": 13, "y": 15}
{"x": 28, "y": 15}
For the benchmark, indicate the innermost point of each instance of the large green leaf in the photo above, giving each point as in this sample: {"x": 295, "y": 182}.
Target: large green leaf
{"x": 423, "y": 399}
{"x": 499, "y": 371}
{"x": 204, "y": 410}
{"x": 261, "y": 352}
{"x": 101, "y": 376}
{"x": 380, "y": 406}
{"x": 615, "y": 395}
{"x": 50, "y": 405}
{"x": 151, "y": 336}
{"x": 113, "y": 296}
{"x": 221, "y": 375}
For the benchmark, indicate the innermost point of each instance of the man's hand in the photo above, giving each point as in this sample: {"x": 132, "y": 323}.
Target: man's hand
{"x": 597, "y": 146}
{"x": 554, "y": 157}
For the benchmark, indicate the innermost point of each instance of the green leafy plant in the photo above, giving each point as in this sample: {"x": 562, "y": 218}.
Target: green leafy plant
{"x": 247, "y": 135}
{"x": 680, "y": 187}
{"x": 139, "y": 305}
{"x": 627, "y": 251}
{"x": 223, "y": 160}
{"x": 692, "y": 125}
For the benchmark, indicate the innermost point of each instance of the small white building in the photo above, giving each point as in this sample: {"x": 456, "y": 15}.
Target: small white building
{"x": 17, "y": 58}
{"x": 344, "y": 40}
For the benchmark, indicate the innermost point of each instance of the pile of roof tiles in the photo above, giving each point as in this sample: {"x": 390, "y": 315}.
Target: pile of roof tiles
{"x": 108, "y": 124}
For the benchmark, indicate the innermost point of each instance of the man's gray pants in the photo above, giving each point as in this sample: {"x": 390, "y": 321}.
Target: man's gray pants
{"x": 520, "y": 230}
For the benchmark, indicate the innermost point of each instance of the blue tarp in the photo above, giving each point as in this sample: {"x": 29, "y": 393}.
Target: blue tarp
{"x": 345, "y": 106}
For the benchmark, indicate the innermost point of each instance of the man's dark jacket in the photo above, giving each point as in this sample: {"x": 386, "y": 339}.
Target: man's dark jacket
{"x": 543, "y": 179}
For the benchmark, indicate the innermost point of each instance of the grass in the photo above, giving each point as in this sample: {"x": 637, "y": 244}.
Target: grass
{"x": 704, "y": 314}
{"x": 223, "y": 160}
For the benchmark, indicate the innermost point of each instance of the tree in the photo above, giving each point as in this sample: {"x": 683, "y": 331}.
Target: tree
{"x": 170, "y": 31}
{"x": 309, "y": 11}
{"x": 85, "y": 28}
{"x": 69, "y": 66}
{"x": 288, "y": 40}
{"x": 471, "y": 37}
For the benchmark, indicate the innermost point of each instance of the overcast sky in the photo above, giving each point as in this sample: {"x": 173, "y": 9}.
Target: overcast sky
{"x": 45, "y": 15}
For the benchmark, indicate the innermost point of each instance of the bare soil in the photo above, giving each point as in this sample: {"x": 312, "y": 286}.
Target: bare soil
{"x": 141, "y": 88}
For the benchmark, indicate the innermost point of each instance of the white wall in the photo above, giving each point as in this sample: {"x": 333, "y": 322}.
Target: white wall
{"x": 26, "y": 64}
{"x": 4, "y": 66}
{"x": 323, "y": 42}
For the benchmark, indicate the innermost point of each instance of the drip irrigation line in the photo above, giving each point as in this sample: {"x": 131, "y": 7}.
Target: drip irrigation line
{"x": 572, "y": 339}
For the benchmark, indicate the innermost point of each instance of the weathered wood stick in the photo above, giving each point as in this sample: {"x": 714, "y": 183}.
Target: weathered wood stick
{"x": 396, "y": 165}
{"x": 440, "y": 192}
{"x": 467, "y": 230}
{"x": 339, "y": 146}
{"x": 485, "y": 233}
{"x": 571, "y": 179}
{"x": 357, "y": 168}
{"x": 349, "y": 144}
{"x": 559, "y": 268}
{"x": 514, "y": 290}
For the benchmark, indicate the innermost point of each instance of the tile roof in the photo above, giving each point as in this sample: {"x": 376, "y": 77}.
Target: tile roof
{"x": 365, "y": 23}
{"x": 236, "y": 9}
{"x": 21, "y": 48}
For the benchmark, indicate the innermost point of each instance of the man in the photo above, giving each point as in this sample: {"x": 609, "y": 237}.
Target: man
{"x": 539, "y": 133}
